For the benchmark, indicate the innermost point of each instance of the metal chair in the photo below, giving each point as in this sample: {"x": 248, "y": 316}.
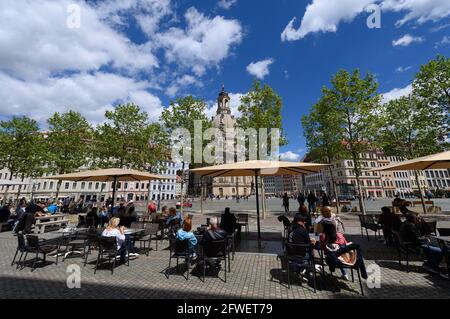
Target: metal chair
{"x": 107, "y": 246}
{"x": 216, "y": 252}
{"x": 243, "y": 220}
{"x": 91, "y": 243}
{"x": 35, "y": 246}
{"x": 300, "y": 255}
{"x": 22, "y": 247}
{"x": 179, "y": 249}
{"x": 406, "y": 248}
{"x": 151, "y": 232}
{"x": 445, "y": 253}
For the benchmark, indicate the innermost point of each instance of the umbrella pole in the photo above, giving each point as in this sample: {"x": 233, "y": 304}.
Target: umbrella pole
{"x": 201, "y": 194}
{"x": 420, "y": 192}
{"x": 257, "y": 205}
{"x": 114, "y": 193}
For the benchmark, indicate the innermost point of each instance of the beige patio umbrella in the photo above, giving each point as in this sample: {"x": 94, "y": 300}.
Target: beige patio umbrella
{"x": 259, "y": 168}
{"x": 108, "y": 175}
{"x": 435, "y": 161}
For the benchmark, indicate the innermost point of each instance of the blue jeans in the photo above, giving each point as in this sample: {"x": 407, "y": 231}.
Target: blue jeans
{"x": 433, "y": 255}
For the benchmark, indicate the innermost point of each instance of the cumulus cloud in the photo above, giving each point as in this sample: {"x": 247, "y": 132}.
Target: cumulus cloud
{"x": 181, "y": 83}
{"x": 290, "y": 156}
{"x": 204, "y": 43}
{"x": 397, "y": 93}
{"x": 326, "y": 15}
{"x": 40, "y": 43}
{"x": 407, "y": 40}
{"x": 402, "y": 69}
{"x": 444, "y": 42}
{"x": 260, "y": 69}
{"x": 89, "y": 94}
{"x": 226, "y": 4}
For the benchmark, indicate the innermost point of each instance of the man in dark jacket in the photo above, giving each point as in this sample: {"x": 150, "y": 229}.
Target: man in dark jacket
{"x": 5, "y": 213}
{"x": 311, "y": 202}
{"x": 27, "y": 221}
{"x": 409, "y": 231}
{"x": 214, "y": 233}
{"x": 228, "y": 221}
{"x": 301, "y": 199}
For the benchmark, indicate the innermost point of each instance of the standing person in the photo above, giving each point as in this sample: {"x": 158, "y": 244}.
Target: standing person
{"x": 228, "y": 221}
{"x": 286, "y": 202}
{"x": 66, "y": 204}
{"x": 311, "y": 202}
{"x": 301, "y": 199}
{"x": 325, "y": 200}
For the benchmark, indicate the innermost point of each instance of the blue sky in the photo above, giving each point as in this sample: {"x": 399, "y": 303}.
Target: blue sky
{"x": 152, "y": 51}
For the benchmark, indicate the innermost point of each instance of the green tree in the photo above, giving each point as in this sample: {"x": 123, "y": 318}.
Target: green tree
{"x": 68, "y": 142}
{"x": 409, "y": 127}
{"x": 323, "y": 136}
{"x": 22, "y": 148}
{"x": 127, "y": 139}
{"x": 182, "y": 114}
{"x": 261, "y": 108}
{"x": 353, "y": 102}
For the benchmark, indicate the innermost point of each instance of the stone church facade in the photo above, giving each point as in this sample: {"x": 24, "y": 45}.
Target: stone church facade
{"x": 228, "y": 186}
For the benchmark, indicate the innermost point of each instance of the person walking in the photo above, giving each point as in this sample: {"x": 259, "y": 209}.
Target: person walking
{"x": 286, "y": 202}
{"x": 311, "y": 202}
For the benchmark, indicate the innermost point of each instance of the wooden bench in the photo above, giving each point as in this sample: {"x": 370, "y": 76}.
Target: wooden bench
{"x": 52, "y": 221}
{"x": 427, "y": 202}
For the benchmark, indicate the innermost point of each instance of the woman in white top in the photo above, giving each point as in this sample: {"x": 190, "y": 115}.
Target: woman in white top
{"x": 113, "y": 230}
{"x": 327, "y": 215}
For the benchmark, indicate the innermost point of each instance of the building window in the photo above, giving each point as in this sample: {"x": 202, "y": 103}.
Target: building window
{"x": 45, "y": 186}
{"x": 66, "y": 186}
{"x": 90, "y": 185}
{"x": 137, "y": 185}
{"x": 51, "y": 185}
{"x": 83, "y": 185}
{"x": 97, "y": 185}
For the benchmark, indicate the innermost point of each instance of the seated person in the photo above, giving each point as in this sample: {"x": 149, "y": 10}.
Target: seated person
{"x": 409, "y": 232}
{"x": 103, "y": 216}
{"x": 113, "y": 230}
{"x": 303, "y": 211}
{"x": 300, "y": 235}
{"x": 339, "y": 252}
{"x": 52, "y": 208}
{"x": 41, "y": 210}
{"x": 27, "y": 220}
{"x": 174, "y": 217}
{"x": 398, "y": 201}
{"x": 186, "y": 234}
{"x": 92, "y": 219}
{"x": 228, "y": 221}
{"x": 389, "y": 221}
{"x": 327, "y": 215}
{"x": 164, "y": 212}
{"x": 214, "y": 233}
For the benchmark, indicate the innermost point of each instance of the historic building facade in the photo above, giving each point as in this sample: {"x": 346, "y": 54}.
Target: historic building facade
{"x": 228, "y": 186}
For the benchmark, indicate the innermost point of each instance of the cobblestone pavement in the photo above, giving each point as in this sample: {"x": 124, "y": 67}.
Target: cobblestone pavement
{"x": 255, "y": 273}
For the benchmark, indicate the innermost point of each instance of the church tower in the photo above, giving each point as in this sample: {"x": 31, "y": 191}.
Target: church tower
{"x": 228, "y": 186}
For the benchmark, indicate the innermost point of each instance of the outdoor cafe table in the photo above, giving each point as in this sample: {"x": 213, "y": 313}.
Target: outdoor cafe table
{"x": 56, "y": 236}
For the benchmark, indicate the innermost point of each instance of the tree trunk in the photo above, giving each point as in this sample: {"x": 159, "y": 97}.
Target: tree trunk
{"x": 58, "y": 187}
{"x": 362, "y": 207}
{"x": 333, "y": 183}
{"x": 420, "y": 192}
{"x": 263, "y": 194}
{"x": 182, "y": 186}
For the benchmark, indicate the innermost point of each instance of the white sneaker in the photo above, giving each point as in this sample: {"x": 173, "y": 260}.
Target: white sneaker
{"x": 345, "y": 277}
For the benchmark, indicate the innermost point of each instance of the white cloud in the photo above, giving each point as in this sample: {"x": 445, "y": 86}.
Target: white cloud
{"x": 406, "y": 40}
{"x": 260, "y": 69}
{"x": 444, "y": 42}
{"x": 40, "y": 43}
{"x": 204, "y": 43}
{"x": 326, "y": 15}
{"x": 290, "y": 156}
{"x": 226, "y": 4}
{"x": 402, "y": 69}
{"x": 89, "y": 94}
{"x": 397, "y": 93}
{"x": 420, "y": 11}
{"x": 181, "y": 83}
